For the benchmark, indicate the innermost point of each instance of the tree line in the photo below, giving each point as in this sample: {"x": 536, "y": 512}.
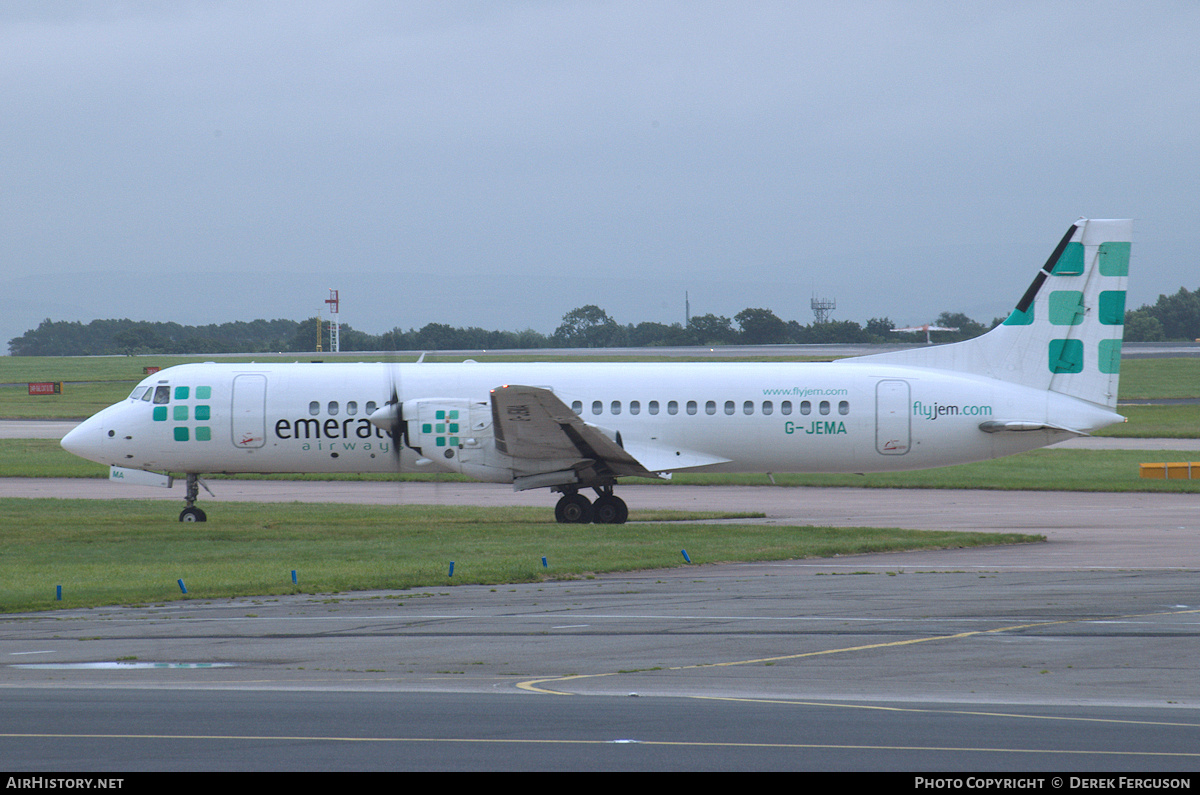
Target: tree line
{"x": 1171, "y": 318}
{"x": 584, "y": 327}
{"x": 1174, "y": 317}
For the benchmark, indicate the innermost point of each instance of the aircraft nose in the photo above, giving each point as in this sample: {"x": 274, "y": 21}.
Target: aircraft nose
{"x": 85, "y": 440}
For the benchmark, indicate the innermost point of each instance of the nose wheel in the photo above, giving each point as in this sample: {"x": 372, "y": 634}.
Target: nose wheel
{"x": 191, "y": 513}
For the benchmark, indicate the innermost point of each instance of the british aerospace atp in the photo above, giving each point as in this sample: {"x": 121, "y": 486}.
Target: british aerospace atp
{"x": 1047, "y": 373}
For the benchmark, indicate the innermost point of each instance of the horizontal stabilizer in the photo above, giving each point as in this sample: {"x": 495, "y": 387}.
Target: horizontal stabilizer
{"x": 1018, "y": 426}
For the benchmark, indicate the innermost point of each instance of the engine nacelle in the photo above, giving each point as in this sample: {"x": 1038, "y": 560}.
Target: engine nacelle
{"x": 456, "y": 435}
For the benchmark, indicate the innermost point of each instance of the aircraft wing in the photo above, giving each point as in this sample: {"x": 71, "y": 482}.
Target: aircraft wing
{"x": 549, "y": 442}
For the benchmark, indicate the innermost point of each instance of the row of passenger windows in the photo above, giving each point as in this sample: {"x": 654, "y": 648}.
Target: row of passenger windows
{"x": 710, "y": 407}
{"x": 332, "y": 408}
{"x": 615, "y": 407}
{"x": 162, "y": 395}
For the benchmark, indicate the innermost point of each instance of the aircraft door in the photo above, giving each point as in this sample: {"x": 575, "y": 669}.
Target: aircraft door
{"x": 249, "y": 411}
{"x": 476, "y": 443}
{"x": 892, "y": 421}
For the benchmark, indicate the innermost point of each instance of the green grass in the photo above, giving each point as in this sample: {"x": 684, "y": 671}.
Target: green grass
{"x": 1038, "y": 470}
{"x": 91, "y": 382}
{"x": 120, "y": 552}
{"x": 1170, "y": 422}
{"x": 129, "y": 369}
{"x": 75, "y": 402}
{"x": 1160, "y": 378}
{"x": 44, "y": 458}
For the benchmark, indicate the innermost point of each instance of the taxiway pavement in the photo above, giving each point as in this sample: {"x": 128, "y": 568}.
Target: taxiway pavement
{"x": 1074, "y": 654}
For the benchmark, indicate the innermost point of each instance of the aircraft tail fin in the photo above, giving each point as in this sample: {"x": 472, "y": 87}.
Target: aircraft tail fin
{"x": 1065, "y": 333}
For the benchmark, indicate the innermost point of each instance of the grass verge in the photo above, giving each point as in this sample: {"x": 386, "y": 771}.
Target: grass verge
{"x": 122, "y": 552}
{"x": 1156, "y": 422}
{"x": 1037, "y": 470}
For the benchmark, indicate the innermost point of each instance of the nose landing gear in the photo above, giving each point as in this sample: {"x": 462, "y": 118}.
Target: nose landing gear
{"x": 191, "y": 513}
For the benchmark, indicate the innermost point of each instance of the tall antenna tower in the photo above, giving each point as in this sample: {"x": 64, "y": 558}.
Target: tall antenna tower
{"x": 335, "y": 338}
{"x": 821, "y": 308}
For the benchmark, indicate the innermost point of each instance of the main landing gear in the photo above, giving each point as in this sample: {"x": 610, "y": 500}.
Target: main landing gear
{"x": 191, "y": 513}
{"x": 574, "y": 508}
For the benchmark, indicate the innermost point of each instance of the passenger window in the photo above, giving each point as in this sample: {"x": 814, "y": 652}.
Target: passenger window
{"x": 352, "y": 407}
{"x": 785, "y": 407}
{"x": 597, "y": 407}
{"x": 314, "y": 407}
{"x": 748, "y": 407}
{"x": 370, "y": 407}
{"x": 844, "y": 407}
{"x": 691, "y": 407}
{"x": 615, "y": 406}
{"x": 805, "y": 407}
{"x": 710, "y": 407}
{"x": 729, "y": 407}
{"x": 635, "y": 407}
{"x": 577, "y": 406}
{"x": 767, "y": 407}
{"x": 673, "y": 407}
{"x": 652, "y": 407}
{"x": 824, "y": 406}
{"x": 333, "y": 408}
{"x": 162, "y": 395}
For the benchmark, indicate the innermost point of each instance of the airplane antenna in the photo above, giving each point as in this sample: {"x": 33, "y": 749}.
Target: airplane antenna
{"x": 335, "y": 338}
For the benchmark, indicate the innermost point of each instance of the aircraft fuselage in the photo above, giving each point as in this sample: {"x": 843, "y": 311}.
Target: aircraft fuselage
{"x": 743, "y": 417}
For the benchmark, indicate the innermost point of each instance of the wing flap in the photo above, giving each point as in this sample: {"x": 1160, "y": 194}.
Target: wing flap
{"x": 658, "y": 458}
{"x": 542, "y": 435}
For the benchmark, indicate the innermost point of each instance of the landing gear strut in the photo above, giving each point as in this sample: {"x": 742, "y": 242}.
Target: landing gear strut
{"x": 191, "y": 513}
{"x": 574, "y": 508}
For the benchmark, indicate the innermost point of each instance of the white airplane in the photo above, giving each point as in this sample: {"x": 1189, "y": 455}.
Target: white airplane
{"x": 1049, "y": 372}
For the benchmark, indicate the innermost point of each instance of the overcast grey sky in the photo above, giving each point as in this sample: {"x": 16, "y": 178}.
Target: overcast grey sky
{"x": 498, "y": 164}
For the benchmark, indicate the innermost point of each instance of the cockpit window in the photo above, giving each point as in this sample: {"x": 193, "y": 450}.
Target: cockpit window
{"x": 139, "y": 392}
{"x": 162, "y": 395}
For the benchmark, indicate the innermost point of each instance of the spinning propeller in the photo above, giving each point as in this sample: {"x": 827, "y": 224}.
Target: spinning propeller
{"x": 390, "y": 417}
